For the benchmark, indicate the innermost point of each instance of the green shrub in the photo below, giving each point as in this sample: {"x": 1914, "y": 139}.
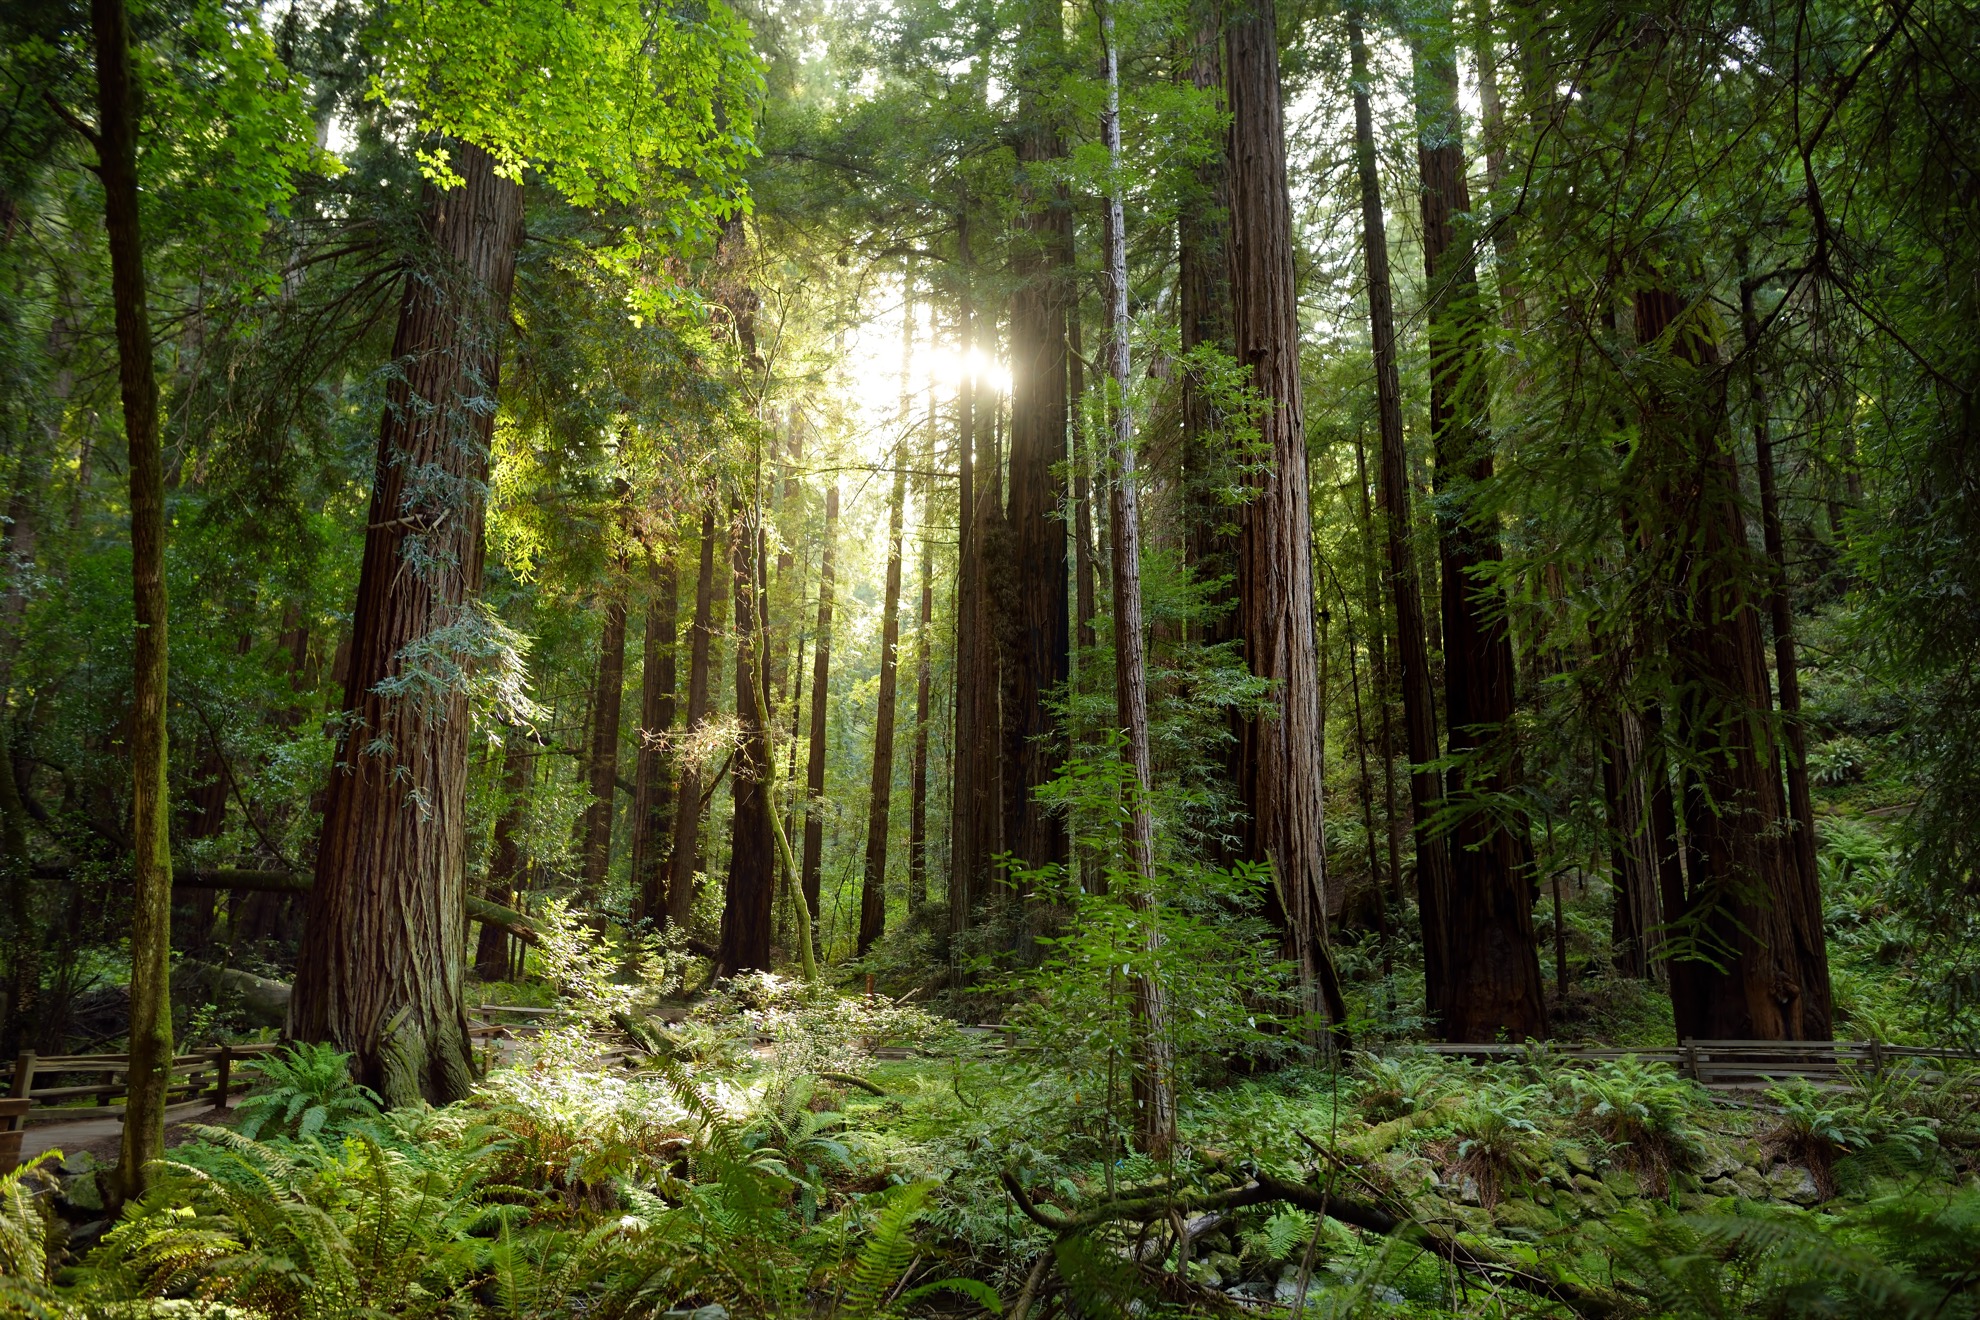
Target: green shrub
{"x": 1644, "y": 1111}
{"x": 306, "y": 1090}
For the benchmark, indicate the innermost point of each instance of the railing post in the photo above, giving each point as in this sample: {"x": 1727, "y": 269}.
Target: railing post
{"x": 222, "y": 1075}
{"x": 23, "y": 1085}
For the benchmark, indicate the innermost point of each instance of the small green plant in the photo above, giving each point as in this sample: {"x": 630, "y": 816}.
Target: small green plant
{"x": 1644, "y": 1111}
{"x": 797, "y": 1143}
{"x": 307, "y": 1090}
{"x": 25, "y": 1232}
{"x": 1394, "y": 1085}
{"x": 1498, "y": 1139}
{"x": 1819, "y": 1127}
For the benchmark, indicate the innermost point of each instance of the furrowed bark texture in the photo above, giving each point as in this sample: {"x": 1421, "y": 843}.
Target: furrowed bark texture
{"x": 752, "y": 887}
{"x": 1154, "y": 1083}
{"x": 687, "y": 803}
{"x": 1630, "y": 788}
{"x": 1392, "y": 490}
{"x": 1279, "y": 756}
{"x": 880, "y": 794}
{"x": 973, "y": 803}
{"x": 1038, "y": 630}
{"x": 821, "y": 687}
{"x": 1203, "y": 282}
{"x": 1492, "y": 988}
{"x": 151, "y": 863}
{"x": 1758, "y": 966}
{"x": 653, "y": 786}
{"x": 380, "y": 969}
{"x": 607, "y": 695}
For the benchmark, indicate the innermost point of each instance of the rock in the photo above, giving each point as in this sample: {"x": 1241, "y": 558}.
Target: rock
{"x": 82, "y": 1193}
{"x": 1578, "y": 1159}
{"x": 1622, "y": 1184}
{"x": 1747, "y": 1182}
{"x": 1226, "y": 1264}
{"x": 1794, "y": 1184}
{"x": 1587, "y": 1185}
{"x": 1286, "y": 1291}
{"x": 713, "y": 1311}
{"x": 1522, "y": 1215}
{"x": 1468, "y": 1191}
{"x": 1717, "y": 1162}
{"x": 1204, "y": 1273}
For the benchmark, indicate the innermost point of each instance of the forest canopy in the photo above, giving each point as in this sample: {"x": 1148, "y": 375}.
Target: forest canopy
{"x": 1311, "y": 598}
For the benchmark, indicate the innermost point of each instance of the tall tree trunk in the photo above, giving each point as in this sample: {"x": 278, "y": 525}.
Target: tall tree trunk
{"x": 1787, "y": 666}
{"x": 607, "y": 694}
{"x": 1204, "y": 285}
{"x": 873, "y": 886}
{"x": 684, "y": 856}
{"x": 1492, "y": 989}
{"x": 151, "y": 866}
{"x": 1279, "y": 754}
{"x": 1629, "y": 773}
{"x": 918, "y": 758}
{"x": 1392, "y": 485}
{"x": 1759, "y": 966}
{"x": 1038, "y": 632}
{"x": 505, "y": 861}
{"x": 1084, "y": 595}
{"x": 821, "y": 687}
{"x": 380, "y": 969}
{"x": 653, "y": 787}
{"x": 1154, "y": 1081}
{"x": 972, "y": 800}
{"x": 752, "y": 884}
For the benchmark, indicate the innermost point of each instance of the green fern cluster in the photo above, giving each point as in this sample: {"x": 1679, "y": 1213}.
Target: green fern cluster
{"x": 1644, "y": 1111}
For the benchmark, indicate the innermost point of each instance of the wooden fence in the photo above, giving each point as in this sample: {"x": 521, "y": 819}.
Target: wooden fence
{"x": 1744, "y": 1062}
{"x": 43, "y": 1086}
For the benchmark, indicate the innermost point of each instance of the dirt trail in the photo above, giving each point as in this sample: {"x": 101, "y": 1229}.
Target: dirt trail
{"x": 102, "y": 1137}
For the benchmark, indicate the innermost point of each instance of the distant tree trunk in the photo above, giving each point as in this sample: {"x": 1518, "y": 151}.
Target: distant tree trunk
{"x": 653, "y": 786}
{"x": 1780, "y": 611}
{"x": 1084, "y": 602}
{"x": 873, "y": 886}
{"x": 1204, "y": 284}
{"x": 1629, "y": 771}
{"x": 607, "y": 694}
{"x": 821, "y": 688}
{"x": 752, "y": 884}
{"x": 505, "y": 861}
{"x": 380, "y": 969}
{"x": 685, "y": 853}
{"x": 973, "y": 801}
{"x": 1392, "y": 485}
{"x": 151, "y": 914}
{"x": 1154, "y": 1081}
{"x": 1759, "y": 970}
{"x": 1038, "y": 631}
{"x": 1492, "y": 988}
{"x": 918, "y": 758}
{"x": 1280, "y": 753}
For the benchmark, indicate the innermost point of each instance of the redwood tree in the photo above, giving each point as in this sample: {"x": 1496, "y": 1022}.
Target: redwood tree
{"x": 607, "y": 694}
{"x": 1279, "y": 755}
{"x": 873, "y": 885}
{"x": 653, "y": 787}
{"x": 379, "y": 973}
{"x": 1491, "y": 987}
{"x": 687, "y": 804}
{"x": 821, "y": 679}
{"x": 752, "y": 881}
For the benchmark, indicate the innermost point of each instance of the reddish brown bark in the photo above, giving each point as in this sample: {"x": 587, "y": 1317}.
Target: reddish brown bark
{"x": 1392, "y": 487}
{"x": 873, "y": 883}
{"x": 380, "y": 969}
{"x": 752, "y": 883}
{"x": 684, "y": 856}
{"x": 1037, "y": 631}
{"x": 607, "y": 696}
{"x": 1752, "y": 963}
{"x": 1279, "y": 757}
{"x": 918, "y": 758}
{"x": 1492, "y": 988}
{"x": 653, "y": 779}
{"x": 973, "y": 805}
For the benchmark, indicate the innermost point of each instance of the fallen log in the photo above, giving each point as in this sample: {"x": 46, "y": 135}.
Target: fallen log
{"x": 1149, "y": 1205}
{"x": 265, "y": 1000}
{"x": 288, "y": 882}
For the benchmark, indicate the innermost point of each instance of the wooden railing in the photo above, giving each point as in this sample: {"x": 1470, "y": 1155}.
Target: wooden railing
{"x": 1744, "y": 1062}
